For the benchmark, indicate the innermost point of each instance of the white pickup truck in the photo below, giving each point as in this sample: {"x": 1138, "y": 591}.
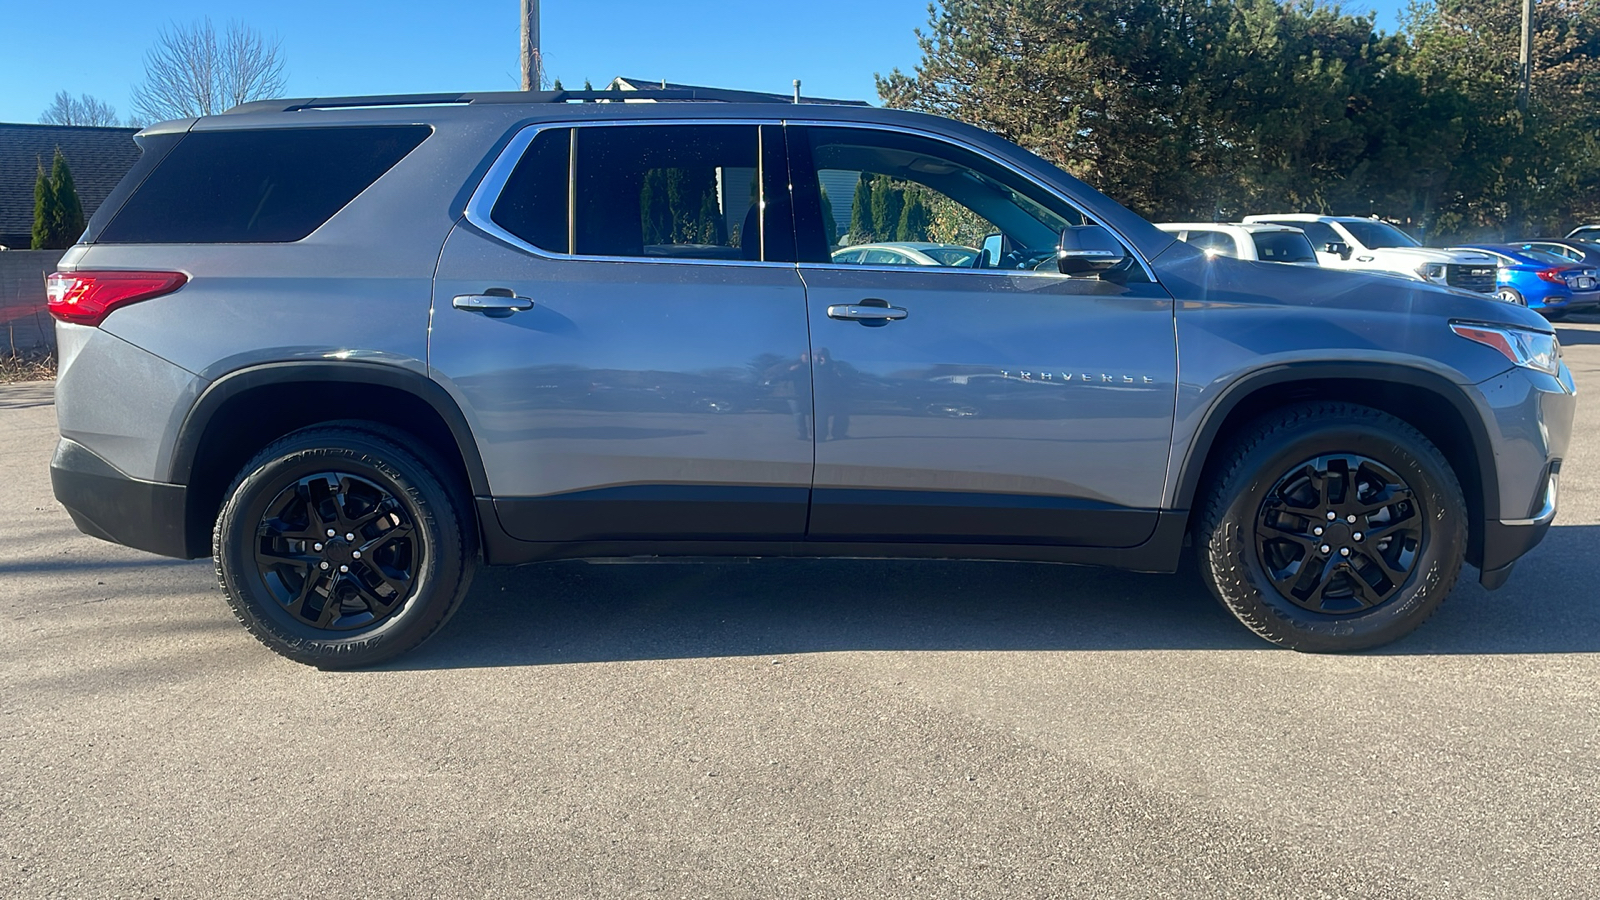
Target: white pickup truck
{"x": 1260, "y": 242}
{"x": 1351, "y": 242}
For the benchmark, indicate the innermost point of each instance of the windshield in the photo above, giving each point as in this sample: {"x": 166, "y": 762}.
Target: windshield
{"x": 1373, "y": 234}
{"x": 1283, "y": 246}
{"x": 952, "y": 256}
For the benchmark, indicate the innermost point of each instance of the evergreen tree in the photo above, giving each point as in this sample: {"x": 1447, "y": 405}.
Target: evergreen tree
{"x": 587, "y": 85}
{"x": 861, "y": 212}
{"x": 913, "y": 225}
{"x": 887, "y": 201}
{"x": 45, "y": 212}
{"x": 829, "y": 224}
{"x": 557, "y": 86}
{"x": 69, "y": 221}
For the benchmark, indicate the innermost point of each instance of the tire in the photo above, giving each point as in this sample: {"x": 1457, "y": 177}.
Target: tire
{"x": 1510, "y": 295}
{"x": 281, "y": 571}
{"x": 1265, "y": 523}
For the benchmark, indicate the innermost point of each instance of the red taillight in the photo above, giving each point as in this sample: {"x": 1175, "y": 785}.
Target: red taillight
{"x": 86, "y": 298}
{"x": 1554, "y": 276}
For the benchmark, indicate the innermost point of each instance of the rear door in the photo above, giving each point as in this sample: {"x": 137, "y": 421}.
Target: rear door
{"x": 626, "y": 333}
{"x": 1008, "y": 404}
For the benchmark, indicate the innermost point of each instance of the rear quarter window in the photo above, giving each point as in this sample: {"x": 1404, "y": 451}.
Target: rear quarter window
{"x": 261, "y": 186}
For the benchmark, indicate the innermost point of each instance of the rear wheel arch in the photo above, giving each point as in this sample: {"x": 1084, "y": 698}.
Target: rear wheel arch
{"x": 1428, "y": 402}
{"x": 245, "y": 410}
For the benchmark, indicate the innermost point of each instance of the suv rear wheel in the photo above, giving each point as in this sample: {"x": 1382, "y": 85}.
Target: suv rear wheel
{"x": 1332, "y": 527}
{"x": 339, "y": 548}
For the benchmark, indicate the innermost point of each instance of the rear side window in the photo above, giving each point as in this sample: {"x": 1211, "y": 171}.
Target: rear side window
{"x": 1283, "y": 246}
{"x": 1215, "y": 243}
{"x": 267, "y": 186}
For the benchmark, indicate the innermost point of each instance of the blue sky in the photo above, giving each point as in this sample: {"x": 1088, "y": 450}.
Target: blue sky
{"x": 400, "y": 46}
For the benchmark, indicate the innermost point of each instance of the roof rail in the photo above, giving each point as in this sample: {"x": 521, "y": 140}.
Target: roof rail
{"x": 673, "y": 94}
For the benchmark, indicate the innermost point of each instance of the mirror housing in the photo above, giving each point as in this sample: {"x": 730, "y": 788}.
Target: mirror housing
{"x": 1086, "y": 249}
{"x": 1339, "y": 247}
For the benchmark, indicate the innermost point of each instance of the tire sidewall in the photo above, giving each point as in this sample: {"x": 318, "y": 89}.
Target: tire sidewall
{"x": 1438, "y": 557}
{"x": 367, "y": 456}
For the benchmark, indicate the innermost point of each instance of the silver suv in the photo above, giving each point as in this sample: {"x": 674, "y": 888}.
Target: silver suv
{"x": 351, "y": 348}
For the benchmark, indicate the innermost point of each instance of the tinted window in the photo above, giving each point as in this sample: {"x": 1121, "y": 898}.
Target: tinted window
{"x": 1375, "y": 234}
{"x": 1283, "y": 246}
{"x": 272, "y": 186}
{"x": 533, "y": 203}
{"x": 1557, "y": 249}
{"x": 1319, "y": 233}
{"x": 1215, "y": 243}
{"x": 677, "y": 191}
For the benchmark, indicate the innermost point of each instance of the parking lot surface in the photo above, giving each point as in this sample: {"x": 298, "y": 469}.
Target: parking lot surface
{"x": 792, "y": 729}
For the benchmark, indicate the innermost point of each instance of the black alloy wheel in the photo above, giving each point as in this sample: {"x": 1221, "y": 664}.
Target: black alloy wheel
{"x": 1339, "y": 534}
{"x": 1330, "y": 526}
{"x": 337, "y": 551}
{"x": 344, "y": 545}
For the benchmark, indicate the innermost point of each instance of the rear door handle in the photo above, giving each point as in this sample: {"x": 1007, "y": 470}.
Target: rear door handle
{"x": 863, "y": 313}
{"x": 493, "y": 303}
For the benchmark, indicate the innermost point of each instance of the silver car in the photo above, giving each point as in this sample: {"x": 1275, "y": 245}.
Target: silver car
{"x": 352, "y": 348}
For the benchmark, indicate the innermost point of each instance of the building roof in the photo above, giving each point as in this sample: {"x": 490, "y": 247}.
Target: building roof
{"x": 98, "y": 157}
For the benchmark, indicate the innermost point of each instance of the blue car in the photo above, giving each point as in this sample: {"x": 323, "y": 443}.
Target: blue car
{"x": 1545, "y": 282}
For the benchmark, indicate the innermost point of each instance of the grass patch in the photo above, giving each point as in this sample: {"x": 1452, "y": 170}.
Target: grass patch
{"x": 27, "y": 365}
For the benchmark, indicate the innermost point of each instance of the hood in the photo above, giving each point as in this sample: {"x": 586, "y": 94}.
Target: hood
{"x": 1420, "y": 255}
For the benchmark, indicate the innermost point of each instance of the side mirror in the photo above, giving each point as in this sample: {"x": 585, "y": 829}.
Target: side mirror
{"x": 996, "y": 247}
{"x": 1339, "y": 247}
{"x": 1088, "y": 248}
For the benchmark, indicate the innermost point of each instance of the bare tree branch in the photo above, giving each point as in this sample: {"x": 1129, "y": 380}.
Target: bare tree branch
{"x": 66, "y": 109}
{"x": 190, "y": 72}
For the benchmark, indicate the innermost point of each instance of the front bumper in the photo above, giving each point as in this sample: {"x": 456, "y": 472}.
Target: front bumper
{"x": 109, "y": 505}
{"x": 1530, "y": 421}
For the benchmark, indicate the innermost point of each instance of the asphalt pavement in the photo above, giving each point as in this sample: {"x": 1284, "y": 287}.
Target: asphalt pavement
{"x": 792, "y": 729}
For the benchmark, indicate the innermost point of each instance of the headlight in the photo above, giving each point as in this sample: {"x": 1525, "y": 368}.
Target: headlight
{"x": 1431, "y": 272}
{"x": 1529, "y": 349}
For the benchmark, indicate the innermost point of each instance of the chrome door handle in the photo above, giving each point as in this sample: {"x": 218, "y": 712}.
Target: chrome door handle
{"x": 491, "y": 304}
{"x": 866, "y": 313}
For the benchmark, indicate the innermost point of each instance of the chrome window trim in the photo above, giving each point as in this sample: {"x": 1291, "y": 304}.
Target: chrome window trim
{"x": 483, "y": 198}
{"x": 494, "y": 181}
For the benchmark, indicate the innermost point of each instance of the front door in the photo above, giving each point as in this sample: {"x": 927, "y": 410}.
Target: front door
{"x": 631, "y": 355}
{"x": 976, "y": 396}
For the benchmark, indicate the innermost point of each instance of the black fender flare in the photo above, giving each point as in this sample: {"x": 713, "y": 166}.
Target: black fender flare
{"x": 1200, "y": 448}
{"x": 220, "y": 392}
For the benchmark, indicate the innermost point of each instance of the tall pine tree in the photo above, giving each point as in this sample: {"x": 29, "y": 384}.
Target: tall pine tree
{"x": 887, "y": 201}
{"x": 69, "y": 222}
{"x": 45, "y": 211}
{"x": 861, "y": 212}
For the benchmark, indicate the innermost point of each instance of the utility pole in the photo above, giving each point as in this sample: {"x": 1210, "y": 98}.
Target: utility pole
{"x": 1526, "y": 57}
{"x": 532, "y": 70}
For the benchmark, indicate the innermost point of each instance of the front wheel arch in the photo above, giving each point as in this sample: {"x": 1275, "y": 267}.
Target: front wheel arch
{"x": 1426, "y": 401}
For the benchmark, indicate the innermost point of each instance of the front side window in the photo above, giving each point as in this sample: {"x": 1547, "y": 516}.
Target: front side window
{"x": 646, "y": 191}
{"x": 934, "y": 205}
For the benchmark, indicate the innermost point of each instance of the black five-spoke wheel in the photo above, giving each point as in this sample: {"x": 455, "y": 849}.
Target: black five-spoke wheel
{"x": 1339, "y": 533}
{"x": 337, "y": 551}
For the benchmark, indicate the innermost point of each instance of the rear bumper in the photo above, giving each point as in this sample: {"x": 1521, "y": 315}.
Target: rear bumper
{"x": 109, "y": 505}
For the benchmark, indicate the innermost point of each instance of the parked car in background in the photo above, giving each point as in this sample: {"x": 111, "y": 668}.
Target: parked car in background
{"x": 906, "y": 253}
{"x": 1545, "y": 282}
{"x": 1255, "y": 241}
{"x": 1586, "y": 253}
{"x": 1371, "y": 245}
{"x": 1585, "y": 233}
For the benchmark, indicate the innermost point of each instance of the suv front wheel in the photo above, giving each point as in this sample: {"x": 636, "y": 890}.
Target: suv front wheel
{"x": 338, "y": 547}
{"x": 1332, "y": 527}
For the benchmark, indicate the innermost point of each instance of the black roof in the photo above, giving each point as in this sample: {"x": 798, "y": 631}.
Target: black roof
{"x": 98, "y": 157}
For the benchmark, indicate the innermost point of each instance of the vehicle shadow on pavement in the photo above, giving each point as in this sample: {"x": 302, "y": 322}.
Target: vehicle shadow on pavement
{"x": 577, "y": 613}
{"x": 28, "y": 395}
